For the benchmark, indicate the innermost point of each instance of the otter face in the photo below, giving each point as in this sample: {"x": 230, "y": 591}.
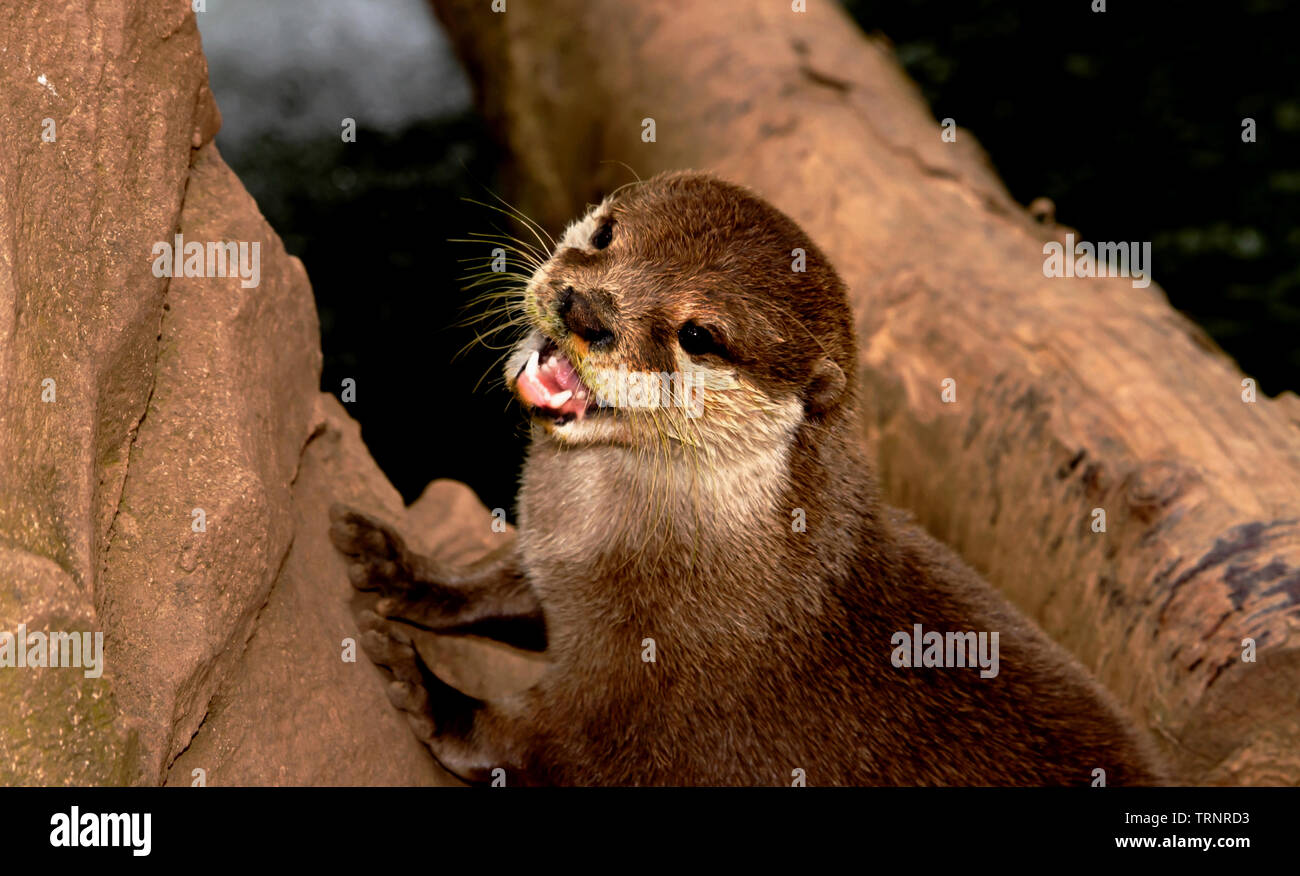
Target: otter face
{"x": 672, "y": 314}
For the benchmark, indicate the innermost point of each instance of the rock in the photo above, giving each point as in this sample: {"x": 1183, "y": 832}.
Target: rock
{"x": 99, "y": 111}
{"x": 205, "y": 518}
{"x": 58, "y": 726}
{"x": 157, "y": 482}
{"x": 293, "y": 712}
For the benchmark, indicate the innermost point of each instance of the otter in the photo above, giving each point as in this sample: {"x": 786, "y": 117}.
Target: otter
{"x": 722, "y": 596}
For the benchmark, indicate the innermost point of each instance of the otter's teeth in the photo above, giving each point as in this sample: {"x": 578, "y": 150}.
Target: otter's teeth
{"x": 531, "y": 367}
{"x": 561, "y": 397}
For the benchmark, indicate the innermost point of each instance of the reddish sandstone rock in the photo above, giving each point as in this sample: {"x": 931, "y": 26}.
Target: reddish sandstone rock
{"x": 128, "y": 401}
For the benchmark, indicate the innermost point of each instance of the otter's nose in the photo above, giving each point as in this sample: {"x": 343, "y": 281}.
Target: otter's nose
{"x": 580, "y": 317}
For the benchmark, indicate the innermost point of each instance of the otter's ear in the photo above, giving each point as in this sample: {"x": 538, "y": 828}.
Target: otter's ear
{"x": 825, "y": 387}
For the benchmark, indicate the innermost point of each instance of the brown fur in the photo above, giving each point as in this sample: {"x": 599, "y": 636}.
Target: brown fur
{"x": 772, "y": 644}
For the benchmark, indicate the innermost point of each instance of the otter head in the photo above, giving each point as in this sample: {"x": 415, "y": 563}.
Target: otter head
{"x": 683, "y": 311}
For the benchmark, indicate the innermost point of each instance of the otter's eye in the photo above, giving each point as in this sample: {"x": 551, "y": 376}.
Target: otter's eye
{"x": 604, "y": 234}
{"x": 697, "y": 340}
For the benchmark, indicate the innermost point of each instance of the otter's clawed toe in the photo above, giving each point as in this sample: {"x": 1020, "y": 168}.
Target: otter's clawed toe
{"x": 413, "y": 700}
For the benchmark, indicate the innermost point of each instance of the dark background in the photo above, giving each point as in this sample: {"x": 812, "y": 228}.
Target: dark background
{"x": 1129, "y": 120}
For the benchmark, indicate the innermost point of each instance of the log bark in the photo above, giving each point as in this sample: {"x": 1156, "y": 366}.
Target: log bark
{"x": 1072, "y": 394}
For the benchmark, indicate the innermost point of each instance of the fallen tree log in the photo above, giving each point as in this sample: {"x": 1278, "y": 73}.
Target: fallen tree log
{"x": 1073, "y": 395}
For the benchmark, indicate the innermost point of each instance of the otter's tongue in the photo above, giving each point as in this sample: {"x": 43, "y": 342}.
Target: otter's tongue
{"x": 552, "y": 386}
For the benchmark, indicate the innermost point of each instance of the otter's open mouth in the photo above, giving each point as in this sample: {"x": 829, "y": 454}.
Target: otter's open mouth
{"x": 549, "y": 384}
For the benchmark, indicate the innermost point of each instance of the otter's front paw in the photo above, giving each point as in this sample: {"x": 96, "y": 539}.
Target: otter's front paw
{"x": 378, "y": 558}
{"x": 413, "y": 587}
{"x": 441, "y": 717}
{"x": 389, "y": 646}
